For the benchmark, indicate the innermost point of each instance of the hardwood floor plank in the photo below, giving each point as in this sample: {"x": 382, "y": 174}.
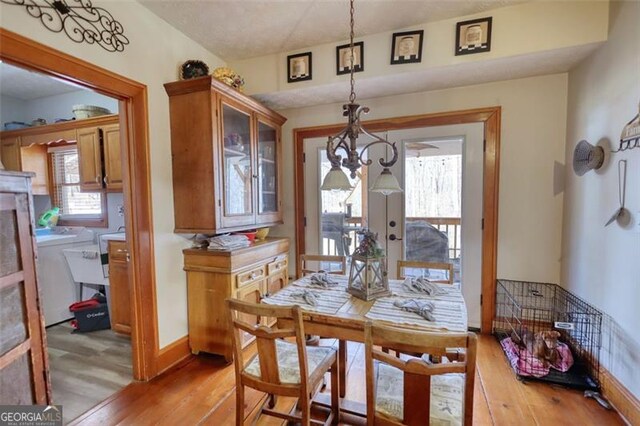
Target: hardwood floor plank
{"x": 86, "y": 368}
{"x": 503, "y": 393}
{"x": 202, "y": 391}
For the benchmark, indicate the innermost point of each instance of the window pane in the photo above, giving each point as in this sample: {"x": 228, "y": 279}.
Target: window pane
{"x": 67, "y": 188}
{"x": 76, "y": 202}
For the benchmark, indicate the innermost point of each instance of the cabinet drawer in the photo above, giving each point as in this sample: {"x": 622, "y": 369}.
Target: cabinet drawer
{"x": 117, "y": 250}
{"x": 280, "y": 264}
{"x": 248, "y": 277}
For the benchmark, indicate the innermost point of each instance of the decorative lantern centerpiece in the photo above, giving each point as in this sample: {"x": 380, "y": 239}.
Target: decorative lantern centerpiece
{"x": 368, "y": 276}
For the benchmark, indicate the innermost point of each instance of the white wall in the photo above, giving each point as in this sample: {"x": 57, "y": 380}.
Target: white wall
{"x": 11, "y": 109}
{"x": 61, "y": 106}
{"x": 520, "y": 29}
{"x": 601, "y": 264}
{"x": 153, "y": 56}
{"x": 533, "y": 135}
{"x": 53, "y": 107}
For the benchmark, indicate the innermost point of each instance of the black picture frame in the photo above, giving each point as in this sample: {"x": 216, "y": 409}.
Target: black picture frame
{"x": 396, "y": 46}
{"x": 293, "y": 62}
{"x": 344, "y": 49}
{"x": 482, "y": 31}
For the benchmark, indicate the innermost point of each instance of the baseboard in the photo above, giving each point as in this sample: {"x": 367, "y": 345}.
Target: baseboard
{"x": 625, "y": 403}
{"x": 172, "y": 354}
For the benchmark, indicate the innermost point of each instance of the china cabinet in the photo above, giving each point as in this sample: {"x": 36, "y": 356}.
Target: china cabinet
{"x": 247, "y": 274}
{"x": 227, "y": 158}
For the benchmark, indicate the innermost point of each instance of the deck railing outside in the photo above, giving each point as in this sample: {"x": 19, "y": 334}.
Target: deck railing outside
{"x": 447, "y": 225}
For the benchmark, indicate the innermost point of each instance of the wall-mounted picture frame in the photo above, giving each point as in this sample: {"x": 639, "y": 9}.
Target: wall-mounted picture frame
{"x": 473, "y": 36}
{"x": 299, "y": 67}
{"x": 344, "y": 61}
{"x": 406, "y": 47}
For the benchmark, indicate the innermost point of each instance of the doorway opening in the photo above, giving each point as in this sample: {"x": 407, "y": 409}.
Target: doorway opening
{"x": 69, "y": 137}
{"x": 133, "y": 121}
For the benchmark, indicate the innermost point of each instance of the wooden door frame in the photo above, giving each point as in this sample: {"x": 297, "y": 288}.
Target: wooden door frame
{"x": 490, "y": 118}
{"x": 133, "y": 111}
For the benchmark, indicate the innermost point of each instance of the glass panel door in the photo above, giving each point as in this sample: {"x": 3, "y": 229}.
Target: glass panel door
{"x": 342, "y": 213}
{"x": 267, "y": 169}
{"x": 238, "y": 173}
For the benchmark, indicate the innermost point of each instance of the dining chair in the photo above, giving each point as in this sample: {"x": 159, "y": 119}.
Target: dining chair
{"x": 408, "y": 390}
{"x": 318, "y": 260}
{"x": 426, "y": 267}
{"x": 281, "y": 367}
{"x": 311, "y": 263}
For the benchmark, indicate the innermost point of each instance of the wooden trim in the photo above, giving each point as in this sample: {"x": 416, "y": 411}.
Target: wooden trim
{"x": 23, "y": 52}
{"x": 15, "y": 353}
{"x": 625, "y": 403}
{"x": 490, "y": 117}
{"x": 60, "y": 127}
{"x": 11, "y": 279}
{"x": 173, "y": 354}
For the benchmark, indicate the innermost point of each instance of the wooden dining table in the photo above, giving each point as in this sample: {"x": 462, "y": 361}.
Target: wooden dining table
{"x": 341, "y": 316}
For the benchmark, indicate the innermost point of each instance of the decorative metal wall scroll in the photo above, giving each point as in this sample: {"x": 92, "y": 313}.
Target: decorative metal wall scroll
{"x": 79, "y": 19}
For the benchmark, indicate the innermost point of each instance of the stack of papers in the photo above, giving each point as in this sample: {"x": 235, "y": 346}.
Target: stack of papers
{"x": 228, "y": 242}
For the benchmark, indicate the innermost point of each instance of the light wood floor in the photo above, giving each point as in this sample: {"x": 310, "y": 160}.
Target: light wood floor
{"x": 86, "y": 368}
{"x": 201, "y": 391}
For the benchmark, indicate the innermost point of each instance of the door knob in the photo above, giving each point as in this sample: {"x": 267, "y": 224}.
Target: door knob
{"x": 393, "y": 237}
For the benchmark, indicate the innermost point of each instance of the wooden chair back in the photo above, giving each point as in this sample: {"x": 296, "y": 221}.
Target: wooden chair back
{"x": 444, "y": 266}
{"x": 305, "y": 259}
{"x": 417, "y": 373}
{"x": 266, "y": 345}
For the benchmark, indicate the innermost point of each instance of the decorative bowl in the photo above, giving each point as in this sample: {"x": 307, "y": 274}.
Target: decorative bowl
{"x": 262, "y": 233}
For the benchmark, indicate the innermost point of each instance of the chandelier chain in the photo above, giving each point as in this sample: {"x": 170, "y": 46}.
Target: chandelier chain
{"x": 352, "y": 96}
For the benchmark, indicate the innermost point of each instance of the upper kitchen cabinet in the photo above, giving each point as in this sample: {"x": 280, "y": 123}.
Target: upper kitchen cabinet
{"x": 99, "y": 158}
{"x": 17, "y": 156}
{"x": 226, "y": 153}
{"x": 98, "y": 142}
{"x": 89, "y": 159}
{"x": 112, "y": 158}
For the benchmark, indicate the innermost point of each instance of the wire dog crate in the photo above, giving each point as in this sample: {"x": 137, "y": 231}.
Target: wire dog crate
{"x": 526, "y": 309}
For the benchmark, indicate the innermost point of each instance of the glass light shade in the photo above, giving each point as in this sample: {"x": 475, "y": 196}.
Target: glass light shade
{"x": 386, "y": 183}
{"x": 336, "y": 180}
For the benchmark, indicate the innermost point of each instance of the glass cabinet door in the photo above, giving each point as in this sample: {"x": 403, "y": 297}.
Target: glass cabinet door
{"x": 267, "y": 169}
{"x": 237, "y": 167}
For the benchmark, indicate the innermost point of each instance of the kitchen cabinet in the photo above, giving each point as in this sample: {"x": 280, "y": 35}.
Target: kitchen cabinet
{"x": 10, "y": 153}
{"x": 212, "y": 276}
{"x": 89, "y": 159}
{"x": 98, "y": 142}
{"x": 99, "y": 158}
{"x": 226, "y": 156}
{"x": 30, "y": 158}
{"x": 112, "y": 158}
{"x": 119, "y": 287}
{"x": 24, "y": 370}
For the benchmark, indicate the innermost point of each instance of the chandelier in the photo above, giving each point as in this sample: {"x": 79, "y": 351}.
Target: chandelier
{"x": 347, "y": 139}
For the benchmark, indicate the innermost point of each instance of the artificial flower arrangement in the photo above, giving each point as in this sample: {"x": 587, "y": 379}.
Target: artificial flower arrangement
{"x": 229, "y": 77}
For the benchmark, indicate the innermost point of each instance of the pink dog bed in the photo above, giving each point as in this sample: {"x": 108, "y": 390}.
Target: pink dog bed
{"x": 525, "y": 364}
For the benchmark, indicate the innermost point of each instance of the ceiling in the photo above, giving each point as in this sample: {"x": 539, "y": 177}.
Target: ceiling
{"x": 240, "y": 29}
{"x": 25, "y": 85}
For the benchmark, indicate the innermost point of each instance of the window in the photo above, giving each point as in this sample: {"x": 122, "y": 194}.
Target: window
{"x": 76, "y": 207}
